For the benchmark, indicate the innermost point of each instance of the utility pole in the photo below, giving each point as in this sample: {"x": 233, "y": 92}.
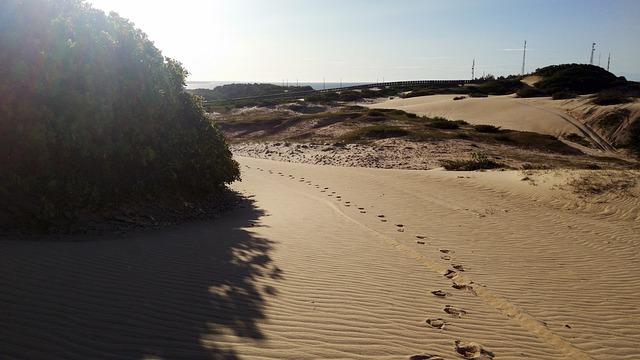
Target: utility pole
{"x": 524, "y": 55}
{"x": 473, "y": 69}
{"x": 608, "y": 61}
{"x": 593, "y": 49}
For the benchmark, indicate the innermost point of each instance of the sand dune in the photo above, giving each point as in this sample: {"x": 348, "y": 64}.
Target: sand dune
{"x": 541, "y": 115}
{"x": 331, "y": 262}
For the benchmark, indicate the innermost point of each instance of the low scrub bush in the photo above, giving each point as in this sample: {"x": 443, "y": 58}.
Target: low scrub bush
{"x": 529, "y": 92}
{"x": 443, "y": 124}
{"x": 564, "y": 95}
{"x": 575, "y": 138}
{"x": 614, "y": 119}
{"x": 417, "y": 93}
{"x": 478, "y": 161}
{"x": 483, "y": 128}
{"x": 610, "y": 99}
{"x": 375, "y": 132}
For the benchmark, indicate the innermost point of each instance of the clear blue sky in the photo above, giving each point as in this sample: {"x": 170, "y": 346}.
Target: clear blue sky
{"x": 369, "y": 40}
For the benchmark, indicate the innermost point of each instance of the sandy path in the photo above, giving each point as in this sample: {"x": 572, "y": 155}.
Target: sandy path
{"x": 330, "y": 262}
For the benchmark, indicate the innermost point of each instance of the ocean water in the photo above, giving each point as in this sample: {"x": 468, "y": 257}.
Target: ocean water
{"x": 314, "y": 85}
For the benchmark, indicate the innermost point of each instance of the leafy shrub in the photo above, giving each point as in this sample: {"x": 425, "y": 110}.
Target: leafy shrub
{"x": 613, "y": 119}
{"x": 479, "y": 161}
{"x": 375, "y": 132}
{"x": 573, "y": 137}
{"x": 610, "y": 99}
{"x": 443, "y": 124}
{"x": 564, "y": 95}
{"x": 350, "y": 96}
{"x": 579, "y": 78}
{"x": 416, "y": 93}
{"x": 93, "y": 116}
{"x": 375, "y": 113}
{"x": 483, "y": 128}
{"x": 529, "y": 92}
{"x": 634, "y": 137}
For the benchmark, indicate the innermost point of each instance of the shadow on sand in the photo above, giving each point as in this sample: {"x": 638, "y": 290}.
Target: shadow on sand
{"x": 185, "y": 292}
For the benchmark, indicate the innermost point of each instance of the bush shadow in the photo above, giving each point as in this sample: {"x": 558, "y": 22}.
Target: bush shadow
{"x": 177, "y": 293}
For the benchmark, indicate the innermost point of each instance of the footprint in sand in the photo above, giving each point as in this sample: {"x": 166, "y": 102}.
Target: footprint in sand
{"x": 441, "y": 293}
{"x": 464, "y": 287}
{"x": 426, "y": 357}
{"x": 421, "y": 237}
{"x": 453, "y": 311}
{"x": 458, "y": 267}
{"x": 446, "y": 251}
{"x": 450, "y": 274}
{"x": 421, "y": 242}
{"x": 437, "y": 323}
{"x": 400, "y": 227}
{"x": 472, "y": 350}
{"x": 445, "y": 257}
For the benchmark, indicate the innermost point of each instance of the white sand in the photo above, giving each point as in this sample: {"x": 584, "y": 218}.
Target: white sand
{"x": 298, "y": 274}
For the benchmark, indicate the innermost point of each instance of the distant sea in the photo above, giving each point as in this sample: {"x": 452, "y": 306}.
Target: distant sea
{"x": 315, "y": 85}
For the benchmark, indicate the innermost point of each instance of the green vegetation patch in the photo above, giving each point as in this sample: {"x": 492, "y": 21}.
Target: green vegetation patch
{"x": 483, "y": 128}
{"x": 614, "y": 119}
{"x": 610, "y": 99}
{"x": 578, "y": 78}
{"x": 478, "y": 161}
{"x": 375, "y": 132}
{"x": 94, "y": 116}
{"x": 573, "y": 137}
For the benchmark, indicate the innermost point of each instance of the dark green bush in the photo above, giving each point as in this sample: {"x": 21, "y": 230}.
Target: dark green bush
{"x": 92, "y": 115}
{"x": 634, "y": 137}
{"x": 573, "y": 137}
{"x": 443, "y": 124}
{"x": 416, "y": 93}
{"x": 564, "y": 95}
{"x": 482, "y": 128}
{"x": 479, "y": 161}
{"x": 610, "y": 99}
{"x": 375, "y": 132}
{"x": 613, "y": 119}
{"x": 529, "y": 92}
{"x": 579, "y": 78}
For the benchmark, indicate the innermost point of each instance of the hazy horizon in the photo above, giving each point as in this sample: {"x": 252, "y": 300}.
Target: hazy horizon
{"x": 368, "y": 41}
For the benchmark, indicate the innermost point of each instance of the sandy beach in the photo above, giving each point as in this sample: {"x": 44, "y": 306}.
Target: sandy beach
{"x": 338, "y": 262}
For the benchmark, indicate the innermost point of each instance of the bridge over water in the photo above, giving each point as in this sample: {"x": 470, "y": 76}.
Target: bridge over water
{"x": 408, "y": 83}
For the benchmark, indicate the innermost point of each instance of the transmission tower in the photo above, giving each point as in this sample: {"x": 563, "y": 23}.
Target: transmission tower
{"x": 473, "y": 69}
{"x": 593, "y": 49}
{"x": 524, "y": 55}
